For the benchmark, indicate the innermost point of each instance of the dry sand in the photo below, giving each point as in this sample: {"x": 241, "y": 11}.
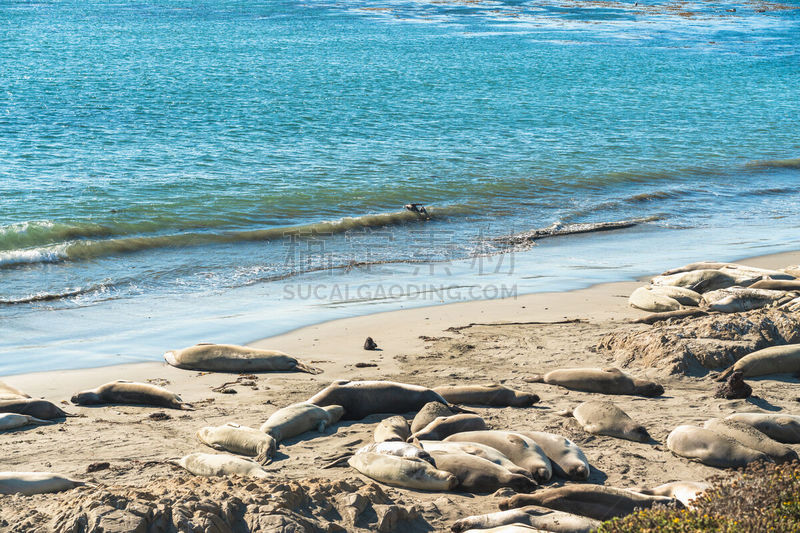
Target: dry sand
{"x": 473, "y": 342}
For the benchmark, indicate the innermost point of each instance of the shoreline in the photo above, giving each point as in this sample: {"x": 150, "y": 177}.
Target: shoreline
{"x": 336, "y": 345}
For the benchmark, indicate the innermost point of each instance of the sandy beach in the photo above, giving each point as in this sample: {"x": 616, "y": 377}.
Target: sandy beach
{"x": 502, "y": 341}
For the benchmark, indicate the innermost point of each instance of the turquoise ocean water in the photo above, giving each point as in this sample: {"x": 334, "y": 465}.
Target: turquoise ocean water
{"x": 175, "y": 171}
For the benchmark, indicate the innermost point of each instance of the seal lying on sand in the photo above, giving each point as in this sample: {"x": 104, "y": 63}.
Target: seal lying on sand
{"x": 711, "y": 448}
{"x": 752, "y": 438}
{"x": 602, "y": 380}
{"x": 534, "y": 516}
{"x": 239, "y": 439}
{"x": 230, "y": 358}
{"x": 29, "y": 483}
{"x": 14, "y": 420}
{"x": 444, "y": 426}
{"x": 521, "y": 450}
{"x": 510, "y": 528}
{"x": 731, "y": 267}
{"x": 219, "y": 464}
{"x": 567, "y": 458}
{"x": 493, "y": 395}
{"x": 740, "y": 299}
{"x": 605, "y": 418}
{"x": 594, "y": 501}
{"x": 782, "y": 428}
{"x": 773, "y": 360}
{"x": 680, "y": 313}
{"x": 408, "y": 473}
{"x": 699, "y": 280}
{"x": 300, "y": 417}
{"x": 35, "y": 408}
{"x": 659, "y": 299}
{"x": 7, "y": 392}
{"x": 429, "y": 412}
{"x": 476, "y": 474}
{"x": 363, "y": 398}
{"x": 130, "y": 392}
{"x": 394, "y": 428}
{"x": 473, "y": 448}
{"x": 395, "y": 448}
{"x": 683, "y": 491}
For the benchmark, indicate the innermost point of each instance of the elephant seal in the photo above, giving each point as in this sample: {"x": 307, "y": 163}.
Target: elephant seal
{"x": 476, "y": 474}
{"x": 683, "y": 491}
{"x": 493, "y": 395}
{"x": 711, "y": 448}
{"x": 230, "y": 358}
{"x": 300, "y": 417}
{"x": 594, "y": 501}
{"x": 130, "y": 392}
{"x": 602, "y": 380}
{"x": 521, "y": 450}
{"x": 647, "y": 299}
{"x": 429, "y": 412}
{"x": 29, "y": 483}
{"x": 392, "y": 428}
{"x": 13, "y": 421}
{"x": 740, "y": 270}
{"x": 752, "y": 438}
{"x": 679, "y": 314}
{"x": 239, "y": 439}
{"x": 35, "y": 408}
{"x": 567, "y": 458}
{"x": 363, "y": 398}
{"x": 740, "y": 299}
{"x": 773, "y": 360}
{"x": 699, "y": 280}
{"x": 410, "y": 473}
{"x": 220, "y": 464}
{"x": 398, "y": 449}
{"x": 782, "y": 428}
{"x": 777, "y": 284}
{"x": 605, "y": 418}
{"x": 534, "y": 516}
{"x": 7, "y": 392}
{"x": 473, "y": 448}
{"x": 444, "y": 426}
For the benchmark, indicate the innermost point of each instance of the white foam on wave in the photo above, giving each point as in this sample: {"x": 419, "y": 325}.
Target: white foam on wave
{"x": 46, "y": 254}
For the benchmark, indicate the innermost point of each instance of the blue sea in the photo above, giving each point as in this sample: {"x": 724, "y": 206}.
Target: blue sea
{"x": 174, "y": 171}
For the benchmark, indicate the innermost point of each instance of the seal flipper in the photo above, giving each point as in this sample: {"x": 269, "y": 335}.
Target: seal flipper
{"x": 302, "y": 367}
{"x": 458, "y": 409}
{"x": 534, "y": 378}
{"x": 263, "y": 458}
{"x": 339, "y": 461}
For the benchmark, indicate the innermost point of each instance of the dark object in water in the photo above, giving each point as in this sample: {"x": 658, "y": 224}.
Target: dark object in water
{"x": 417, "y": 208}
{"x": 370, "y": 344}
{"x": 735, "y": 388}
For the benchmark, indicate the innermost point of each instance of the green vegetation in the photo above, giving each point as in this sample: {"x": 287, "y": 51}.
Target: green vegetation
{"x": 762, "y": 498}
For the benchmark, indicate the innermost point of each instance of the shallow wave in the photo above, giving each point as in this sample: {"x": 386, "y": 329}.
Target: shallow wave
{"x": 78, "y": 250}
{"x": 559, "y": 229}
{"x": 51, "y": 296}
{"x": 775, "y": 163}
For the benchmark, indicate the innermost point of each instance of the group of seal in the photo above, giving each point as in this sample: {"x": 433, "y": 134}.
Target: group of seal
{"x": 716, "y": 287}
{"x": 738, "y": 440}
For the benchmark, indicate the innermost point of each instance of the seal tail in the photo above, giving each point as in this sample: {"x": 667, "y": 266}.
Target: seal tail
{"x": 535, "y": 378}
{"x": 565, "y": 412}
{"x": 339, "y": 461}
{"x": 302, "y": 367}
{"x": 187, "y": 407}
{"x": 458, "y": 409}
{"x": 263, "y": 458}
{"x": 725, "y": 374}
